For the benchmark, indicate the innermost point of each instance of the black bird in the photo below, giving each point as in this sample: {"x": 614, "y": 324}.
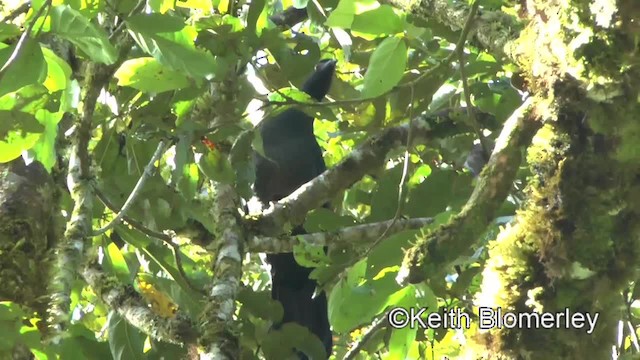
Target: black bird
{"x": 293, "y": 157}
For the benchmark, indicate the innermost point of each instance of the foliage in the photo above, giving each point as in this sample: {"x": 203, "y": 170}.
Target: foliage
{"x": 160, "y": 90}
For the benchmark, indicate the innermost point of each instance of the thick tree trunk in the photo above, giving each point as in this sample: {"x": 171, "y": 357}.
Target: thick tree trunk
{"x": 574, "y": 245}
{"x": 27, "y": 232}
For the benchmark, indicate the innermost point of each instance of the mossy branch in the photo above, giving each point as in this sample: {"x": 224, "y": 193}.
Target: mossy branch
{"x": 220, "y": 340}
{"x": 435, "y": 251}
{"x": 129, "y": 304}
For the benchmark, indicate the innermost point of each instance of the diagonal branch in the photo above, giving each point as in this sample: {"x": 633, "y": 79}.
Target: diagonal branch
{"x": 378, "y": 324}
{"x": 367, "y": 158}
{"x": 168, "y": 240}
{"x": 16, "y": 12}
{"x": 352, "y": 236}
{"x": 439, "y": 248}
{"x": 148, "y": 171}
{"x": 123, "y": 299}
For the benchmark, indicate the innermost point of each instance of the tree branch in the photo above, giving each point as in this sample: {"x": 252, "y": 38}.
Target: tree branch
{"x": 78, "y": 229}
{"x": 435, "y": 252}
{"x": 492, "y": 30}
{"x": 148, "y": 171}
{"x": 158, "y": 235}
{"x": 178, "y": 329}
{"x": 367, "y": 158}
{"x": 376, "y": 325}
{"x": 221, "y": 339}
{"x": 352, "y": 236}
{"x": 289, "y": 17}
{"x": 16, "y": 12}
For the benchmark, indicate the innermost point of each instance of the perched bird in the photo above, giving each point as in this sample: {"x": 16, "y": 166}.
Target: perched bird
{"x": 292, "y": 158}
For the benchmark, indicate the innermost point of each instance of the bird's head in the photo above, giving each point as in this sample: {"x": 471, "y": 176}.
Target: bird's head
{"x": 318, "y": 84}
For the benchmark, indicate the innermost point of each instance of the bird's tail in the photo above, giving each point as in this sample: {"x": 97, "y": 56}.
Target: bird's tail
{"x": 293, "y": 288}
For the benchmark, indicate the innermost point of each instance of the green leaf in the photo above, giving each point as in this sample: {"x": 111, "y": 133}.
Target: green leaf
{"x": 279, "y": 343}
{"x": 257, "y": 17}
{"x": 28, "y": 67}
{"x": 290, "y": 93}
{"x": 30, "y": 336}
{"x": 155, "y": 23}
{"x": 176, "y": 50}
{"x": 201, "y": 5}
{"x": 148, "y": 75}
{"x": 117, "y": 263}
{"x": 260, "y": 304}
{"x": 294, "y": 66}
{"x": 257, "y": 144}
{"x": 309, "y": 255}
{"x": 71, "y": 25}
{"x": 125, "y": 341}
{"x": 300, "y": 4}
{"x": 386, "y": 67}
{"x": 216, "y": 166}
{"x": 8, "y": 31}
{"x": 10, "y": 311}
{"x": 482, "y": 64}
{"x": 28, "y": 99}
{"x": 241, "y": 159}
{"x": 370, "y": 295}
{"x": 81, "y": 343}
{"x": 344, "y": 14}
{"x": 10, "y": 316}
{"x": 58, "y": 72}
{"x": 19, "y": 131}
{"x": 401, "y": 341}
{"x": 425, "y": 297}
{"x": 162, "y": 350}
{"x": 161, "y": 6}
{"x": 323, "y": 219}
{"x": 437, "y": 188}
{"x": 379, "y": 21}
{"x": 389, "y": 252}
{"x": 158, "y": 254}
{"x": 44, "y": 150}
{"x": 384, "y": 198}
{"x": 410, "y": 297}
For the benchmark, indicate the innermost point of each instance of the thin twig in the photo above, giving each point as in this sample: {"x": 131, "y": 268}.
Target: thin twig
{"x": 403, "y": 179}
{"x": 407, "y": 155}
{"x": 22, "y": 40}
{"x": 158, "y": 235}
{"x": 467, "y": 94}
{"x": 148, "y": 170}
{"x": 447, "y": 61}
{"x": 15, "y": 13}
{"x": 459, "y": 45}
{"x": 410, "y": 84}
{"x": 131, "y": 221}
{"x": 139, "y": 6}
{"x": 377, "y": 324}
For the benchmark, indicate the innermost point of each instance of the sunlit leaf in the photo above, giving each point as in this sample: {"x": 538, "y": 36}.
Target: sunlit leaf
{"x": 148, "y": 75}
{"x": 386, "y": 67}
{"x": 71, "y": 25}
